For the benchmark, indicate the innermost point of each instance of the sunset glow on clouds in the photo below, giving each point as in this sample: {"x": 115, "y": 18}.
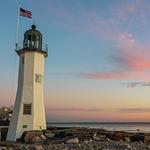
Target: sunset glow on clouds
{"x": 130, "y": 56}
{"x": 132, "y": 61}
{"x": 97, "y": 49}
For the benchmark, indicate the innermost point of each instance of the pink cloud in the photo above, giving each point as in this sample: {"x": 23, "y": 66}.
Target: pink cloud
{"x": 131, "y": 58}
{"x": 131, "y": 55}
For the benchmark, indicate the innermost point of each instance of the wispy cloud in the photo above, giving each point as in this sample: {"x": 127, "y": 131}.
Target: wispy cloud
{"x": 131, "y": 11}
{"x": 135, "y": 84}
{"x": 76, "y": 109}
{"x": 92, "y": 21}
{"x": 109, "y": 75}
{"x": 122, "y": 110}
{"x": 133, "y": 110}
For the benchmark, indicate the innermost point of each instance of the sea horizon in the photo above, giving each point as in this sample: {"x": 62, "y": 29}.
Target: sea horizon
{"x": 112, "y": 126}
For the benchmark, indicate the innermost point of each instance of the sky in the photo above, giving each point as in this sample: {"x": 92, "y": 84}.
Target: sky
{"x": 98, "y": 66}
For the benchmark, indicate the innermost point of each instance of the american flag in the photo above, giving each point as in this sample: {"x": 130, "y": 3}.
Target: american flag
{"x": 25, "y": 13}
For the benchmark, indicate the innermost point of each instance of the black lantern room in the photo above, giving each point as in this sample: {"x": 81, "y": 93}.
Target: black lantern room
{"x": 32, "y": 41}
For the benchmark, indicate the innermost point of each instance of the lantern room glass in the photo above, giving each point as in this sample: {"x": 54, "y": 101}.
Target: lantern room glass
{"x": 33, "y": 39}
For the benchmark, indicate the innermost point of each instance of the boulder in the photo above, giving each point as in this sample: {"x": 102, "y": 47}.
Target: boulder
{"x": 99, "y": 137}
{"x": 107, "y": 139}
{"x": 127, "y": 139}
{"x": 137, "y": 137}
{"x": 43, "y": 136}
{"x": 49, "y": 135}
{"x": 64, "y": 133}
{"x": 148, "y": 146}
{"x": 65, "y": 148}
{"x": 3, "y": 148}
{"x": 72, "y": 141}
{"x": 86, "y": 141}
{"x": 147, "y": 139}
{"x": 33, "y": 136}
{"x": 128, "y": 146}
{"x": 34, "y": 139}
{"x": 38, "y": 147}
{"x": 117, "y": 136}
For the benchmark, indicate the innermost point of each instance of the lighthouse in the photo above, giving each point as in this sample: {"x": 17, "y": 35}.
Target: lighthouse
{"x": 28, "y": 113}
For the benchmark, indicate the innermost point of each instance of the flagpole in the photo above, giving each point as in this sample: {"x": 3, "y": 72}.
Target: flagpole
{"x": 17, "y": 26}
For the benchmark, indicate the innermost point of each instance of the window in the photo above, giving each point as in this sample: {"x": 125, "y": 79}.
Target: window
{"x": 38, "y": 78}
{"x": 29, "y": 37}
{"x": 34, "y": 38}
{"x": 27, "y": 109}
{"x": 29, "y": 40}
{"x": 37, "y": 44}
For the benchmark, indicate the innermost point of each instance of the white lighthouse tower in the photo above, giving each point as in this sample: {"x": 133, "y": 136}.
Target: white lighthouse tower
{"x": 28, "y": 113}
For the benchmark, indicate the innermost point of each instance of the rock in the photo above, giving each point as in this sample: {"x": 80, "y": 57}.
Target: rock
{"x": 64, "y": 133}
{"x": 34, "y": 136}
{"x": 43, "y": 136}
{"x": 72, "y": 141}
{"x": 38, "y": 147}
{"x": 49, "y": 135}
{"x": 95, "y": 137}
{"x": 24, "y": 147}
{"x": 117, "y": 136}
{"x": 128, "y": 146}
{"x": 86, "y": 141}
{"x": 127, "y": 139}
{"x": 99, "y": 137}
{"x": 34, "y": 139}
{"x": 65, "y": 148}
{"x": 147, "y": 139}
{"x": 107, "y": 139}
{"x": 3, "y": 148}
{"x": 137, "y": 137}
{"x": 148, "y": 146}
{"x": 80, "y": 139}
{"x": 141, "y": 142}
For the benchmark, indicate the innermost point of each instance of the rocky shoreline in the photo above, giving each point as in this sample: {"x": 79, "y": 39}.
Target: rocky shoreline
{"x": 79, "y": 139}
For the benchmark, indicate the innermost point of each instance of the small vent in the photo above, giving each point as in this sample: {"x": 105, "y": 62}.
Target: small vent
{"x": 25, "y": 126}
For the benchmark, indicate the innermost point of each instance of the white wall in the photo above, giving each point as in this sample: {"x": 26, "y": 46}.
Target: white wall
{"x": 28, "y": 92}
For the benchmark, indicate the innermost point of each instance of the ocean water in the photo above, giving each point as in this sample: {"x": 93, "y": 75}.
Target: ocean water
{"x": 112, "y": 126}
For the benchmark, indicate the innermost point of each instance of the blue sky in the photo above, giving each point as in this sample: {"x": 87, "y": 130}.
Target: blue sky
{"x": 95, "y": 49}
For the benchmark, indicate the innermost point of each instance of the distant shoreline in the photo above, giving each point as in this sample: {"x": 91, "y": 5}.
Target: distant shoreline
{"x": 111, "y": 126}
{"x": 98, "y": 122}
